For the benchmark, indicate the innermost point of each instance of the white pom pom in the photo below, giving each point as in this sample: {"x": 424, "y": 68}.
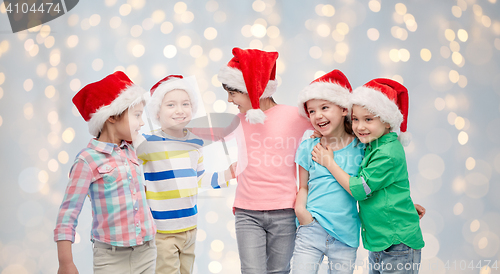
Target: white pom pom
{"x": 404, "y": 138}
{"x": 255, "y": 116}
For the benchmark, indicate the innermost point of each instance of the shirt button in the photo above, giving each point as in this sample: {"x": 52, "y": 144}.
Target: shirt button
{"x": 130, "y": 177}
{"x": 136, "y": 209}
{"x": 137, "y": 224}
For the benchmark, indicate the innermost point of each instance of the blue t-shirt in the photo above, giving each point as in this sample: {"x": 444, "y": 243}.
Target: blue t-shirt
{"x": 327, "y": 201}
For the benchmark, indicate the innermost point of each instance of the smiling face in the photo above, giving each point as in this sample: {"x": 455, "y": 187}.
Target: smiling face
{"x": 366, "y": 125}
{"x": 175, "y": 112}
{"x": 130, "y": 122}
{"x": 240, "y": 99}
{"x": 326, "y": 117}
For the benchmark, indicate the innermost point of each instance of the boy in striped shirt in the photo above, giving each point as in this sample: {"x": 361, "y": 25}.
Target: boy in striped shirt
{"x": 172, "y": 160}
{"x": 107, "y": 170}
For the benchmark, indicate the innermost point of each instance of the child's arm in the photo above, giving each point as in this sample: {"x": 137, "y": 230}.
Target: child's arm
{"x": 303, "y": 215}
{"x": 376, "y": 175}
{"x": 65, "y": 256}
{"x": 214, "y": 179}
{"x": 67, "y": 220}
{"x": 324, "y": 157}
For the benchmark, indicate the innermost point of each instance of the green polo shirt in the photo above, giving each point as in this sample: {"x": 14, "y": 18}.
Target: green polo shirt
{"x": 388, "y": 215}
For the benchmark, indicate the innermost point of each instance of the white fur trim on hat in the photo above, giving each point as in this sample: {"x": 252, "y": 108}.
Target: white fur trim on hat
{"x": 167, "y": 86}
{"x": 379, "y": 104}
{"x": 234, "y": 78}
{"x": 129, "y": 97}
{"x": 324, "y": 91}
{"x": 255, "y": 116}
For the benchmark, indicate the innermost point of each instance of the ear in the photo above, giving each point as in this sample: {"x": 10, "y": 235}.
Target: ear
{"x": 387, "y": 125}
{"x": 345, "y": 112}
{"x": 112, "y": 119}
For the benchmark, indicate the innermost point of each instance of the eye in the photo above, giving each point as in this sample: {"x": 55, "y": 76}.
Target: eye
{"x": 186, "y": 104}
{"x": 311, "y": 111}
{"x": 170, "y": 105}
{"x": 324, "y": 107}
{"x": 231, "y": 93}
{"x": 369, "y": 119}
{"x": 354, "y": 119}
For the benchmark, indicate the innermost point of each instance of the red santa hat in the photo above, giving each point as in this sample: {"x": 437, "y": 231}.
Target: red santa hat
{"x": 165, "y": 85}
{"x": 110, "y": 96}
{"x": 252, "y": 71}
{"x": 388, "y": 100}
{"x": 333, "y": 87}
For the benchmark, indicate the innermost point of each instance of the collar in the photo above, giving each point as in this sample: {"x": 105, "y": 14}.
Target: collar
{"x": 384, "y": 139}
{"x": 104, "y": 147}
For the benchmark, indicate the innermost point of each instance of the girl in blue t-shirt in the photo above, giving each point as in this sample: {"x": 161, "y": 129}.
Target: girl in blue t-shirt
{"x": 327, "y": 214}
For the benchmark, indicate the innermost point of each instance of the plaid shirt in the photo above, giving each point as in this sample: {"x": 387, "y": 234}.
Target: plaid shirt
{"x": 111, "y": 176}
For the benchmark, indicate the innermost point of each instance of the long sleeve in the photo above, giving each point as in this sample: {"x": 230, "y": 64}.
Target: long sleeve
{"x": 79, "y": 182}
{"x": 209, "y": 179}
{"x": 378, "y": 174}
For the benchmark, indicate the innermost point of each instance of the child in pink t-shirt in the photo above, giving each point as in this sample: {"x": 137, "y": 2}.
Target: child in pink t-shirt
{"x": 267, "y": 140}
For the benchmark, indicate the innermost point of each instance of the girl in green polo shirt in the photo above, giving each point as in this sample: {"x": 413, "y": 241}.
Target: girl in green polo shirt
{"x": 389, "y": 221}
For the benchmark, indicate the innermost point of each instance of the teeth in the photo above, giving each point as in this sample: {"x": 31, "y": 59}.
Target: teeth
{"x": 323, "y": 124}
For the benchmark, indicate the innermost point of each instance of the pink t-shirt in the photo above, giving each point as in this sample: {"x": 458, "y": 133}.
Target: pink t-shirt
{"x": 267, "y": 153}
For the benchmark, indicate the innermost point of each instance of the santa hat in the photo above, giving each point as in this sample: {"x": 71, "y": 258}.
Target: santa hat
{"x": 165, "y": 85}
{"x": 252, "y": 71}
{"x": 333, "y": 87}
{"x": 388, "y": 100}
{"x": 110, "y": 96}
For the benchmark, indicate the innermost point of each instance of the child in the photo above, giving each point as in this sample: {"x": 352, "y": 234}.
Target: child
{"x": 389, "y": 220}
{"x": 269, "y": 136}
{"x": 328, "y": 215}
{"x": 173, "y": 168}
{"x": 108, "y": 171}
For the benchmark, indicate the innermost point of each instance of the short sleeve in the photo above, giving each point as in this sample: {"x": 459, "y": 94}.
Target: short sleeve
{"x": 378, "y": 174}
{"x": 303, "y": 155}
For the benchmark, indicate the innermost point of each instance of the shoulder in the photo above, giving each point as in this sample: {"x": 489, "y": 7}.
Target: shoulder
{"x": 308, "y": 144}
{"x": 395, "y": 151}
{"x": 291, "y": 114}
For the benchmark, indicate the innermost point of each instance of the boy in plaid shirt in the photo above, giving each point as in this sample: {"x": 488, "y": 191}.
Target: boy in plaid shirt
{"x": 108, "y": 171}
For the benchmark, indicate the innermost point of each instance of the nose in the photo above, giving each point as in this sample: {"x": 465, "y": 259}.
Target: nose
{"x": 359, "y": 125}
{"x": 141, "y": 122}
{"x": 179, "y": 109}
{"x": 229, "y": 100}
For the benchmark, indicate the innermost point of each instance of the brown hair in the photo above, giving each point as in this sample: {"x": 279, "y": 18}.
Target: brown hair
{"x": 348, "y": 125}
{"x": 228, "y": 88}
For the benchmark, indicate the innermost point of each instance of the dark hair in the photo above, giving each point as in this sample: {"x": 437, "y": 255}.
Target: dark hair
{"x": 348, "y": 125}
{"x": 228, "y": 88}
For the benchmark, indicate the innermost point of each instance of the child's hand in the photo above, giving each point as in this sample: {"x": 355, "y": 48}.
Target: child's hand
{"x": 316, "y": 134}
{"x": 304, "y": 216}
{"x": 420, "y": 210}
{"x": 322, "y": 156}
{"x": 69, "y": 268}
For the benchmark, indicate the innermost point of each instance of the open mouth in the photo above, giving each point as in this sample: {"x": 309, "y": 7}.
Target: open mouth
{"x": 363, "y": 134}
{"x": 324, "y": 124}
{"x": 179, "y": 119}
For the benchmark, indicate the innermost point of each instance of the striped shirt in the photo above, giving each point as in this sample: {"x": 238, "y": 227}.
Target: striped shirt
{"x": 173, "y": 170}
{"x": 111, "y": 176}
